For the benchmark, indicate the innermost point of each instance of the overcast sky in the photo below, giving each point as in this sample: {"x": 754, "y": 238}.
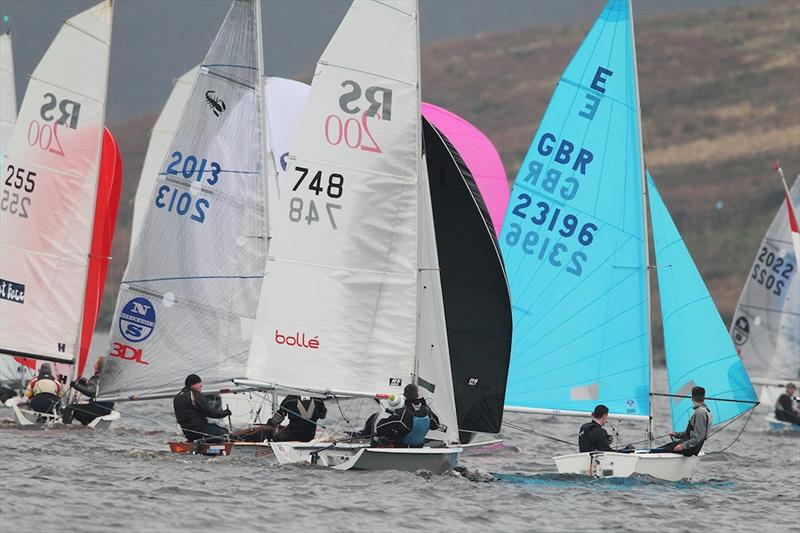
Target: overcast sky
{"x": 155, "y": 41}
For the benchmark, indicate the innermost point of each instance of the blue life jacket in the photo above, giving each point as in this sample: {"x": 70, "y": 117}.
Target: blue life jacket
{"x": 416, "y": 437}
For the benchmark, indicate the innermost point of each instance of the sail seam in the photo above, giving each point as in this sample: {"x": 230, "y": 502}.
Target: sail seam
{"x": 51, "y": 84}
{"x": 349, "y": 269}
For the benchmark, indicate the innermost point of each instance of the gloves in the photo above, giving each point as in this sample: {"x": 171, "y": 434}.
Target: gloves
{"x": 610, "y": 440}
{"x": 226, "y": 412}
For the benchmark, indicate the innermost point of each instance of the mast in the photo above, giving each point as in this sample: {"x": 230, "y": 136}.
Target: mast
{"x": 420, "y": 196}
{"x": 645, "y": 203}
{"x": 263, "y": 118}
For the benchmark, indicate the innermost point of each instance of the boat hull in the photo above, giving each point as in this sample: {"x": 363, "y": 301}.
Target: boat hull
{"x": 777, "y": 426}
{"x": 664, "y": 466}
{"x": 356, "y": 457}
{"x": 28, "y": 417}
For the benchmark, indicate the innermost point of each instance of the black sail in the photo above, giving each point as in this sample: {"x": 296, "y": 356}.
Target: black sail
{"x": 474, "y": 288}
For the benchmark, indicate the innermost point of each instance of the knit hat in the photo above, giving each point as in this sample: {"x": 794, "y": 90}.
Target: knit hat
{"x": 192, "y": 379}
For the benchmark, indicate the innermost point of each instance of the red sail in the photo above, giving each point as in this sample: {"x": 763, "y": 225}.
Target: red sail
{"x": 109, "y": 186}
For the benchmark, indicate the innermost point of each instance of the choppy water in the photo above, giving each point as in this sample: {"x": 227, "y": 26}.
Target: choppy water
{"x": 125, "y": 479}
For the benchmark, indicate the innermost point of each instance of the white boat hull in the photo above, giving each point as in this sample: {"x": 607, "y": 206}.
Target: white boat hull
{"x": 28, "y": 417}
{"x": 665, "y": 466}
{"x": 777, "y": 426}
{"x": 360, "y": 457}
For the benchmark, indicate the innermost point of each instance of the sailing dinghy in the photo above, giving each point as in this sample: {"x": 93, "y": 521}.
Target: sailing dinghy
{"x": 766, "y": 324}
{"x": 55, "y": 243}
{"x": 575, "y": 242}
{"x": 359, "y": 244}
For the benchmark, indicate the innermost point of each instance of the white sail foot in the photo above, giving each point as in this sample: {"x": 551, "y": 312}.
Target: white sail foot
{"x": 664, "y": 466}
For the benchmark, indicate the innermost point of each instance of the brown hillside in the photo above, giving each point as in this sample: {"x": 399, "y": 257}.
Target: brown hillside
{"x": 720, "y": 95}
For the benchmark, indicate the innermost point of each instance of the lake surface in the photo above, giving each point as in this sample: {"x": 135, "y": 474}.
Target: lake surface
{"x": 74, "y": 479}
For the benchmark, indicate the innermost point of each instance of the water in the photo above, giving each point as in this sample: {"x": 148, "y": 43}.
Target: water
{"x": 125, "y": 479}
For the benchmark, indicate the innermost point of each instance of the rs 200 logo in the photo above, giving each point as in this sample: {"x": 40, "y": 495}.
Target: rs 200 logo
{"x": 129, "y": 353}
{"x": 137, "y": 319}
{"x": 378, "y": 100}
{"x": 65, "y": 112}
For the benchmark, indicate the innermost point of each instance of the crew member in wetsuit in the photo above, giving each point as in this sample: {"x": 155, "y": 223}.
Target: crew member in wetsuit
{"x": 409, "y": 424}
{"x": 192, "y": 409}
{"x": 690, "y": 442}
{"x": 786, "y": 408}
{"x": 303, "y": 414}
{"x": 592, "y": 437}
{"x": 85, "y": 413}
{"x": 44, "y": 391}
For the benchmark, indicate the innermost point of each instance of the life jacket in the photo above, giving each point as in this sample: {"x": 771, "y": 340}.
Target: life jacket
{"x": 419, "y": 428}
{"x": 44, "y": 385}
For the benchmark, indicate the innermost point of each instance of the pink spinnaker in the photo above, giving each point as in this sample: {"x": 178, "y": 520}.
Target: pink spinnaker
{"x": 480, "y": 156}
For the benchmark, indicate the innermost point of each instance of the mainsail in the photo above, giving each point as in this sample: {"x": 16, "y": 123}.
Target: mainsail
{"x": 471, "y": 270}
{"x": 698, "y": 349}
{"x": 574, "y": 239}
{"x": 339, "y": 305}
{"x": 8, "y": 104}
{"x": 766, "y": 324}
{"x": 49, "y": 189}
{"x": 480, "y": 157}
{"x": 191, "y": 287}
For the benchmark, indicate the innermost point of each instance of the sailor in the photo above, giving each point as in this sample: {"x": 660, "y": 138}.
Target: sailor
{"x": 44, "y": 391}
{"x": 409, "y": 424}
{"x": 303, "y": 415}
{"x": 786, "y": 407}
{"x": 85, "y": 413}
{"x": 393, "y": 403}
{"x": 192, "y": 409}
{"x": 690, "y": 442}
{"x": 592, "y": 437}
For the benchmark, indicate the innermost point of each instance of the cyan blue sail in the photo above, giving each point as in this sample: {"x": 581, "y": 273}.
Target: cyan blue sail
{"x": 573, "y": 239}
{"x": 698, "y": 347}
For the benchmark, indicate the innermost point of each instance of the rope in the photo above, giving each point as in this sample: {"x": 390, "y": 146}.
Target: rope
{"x": 532, "y": 432}
{"x": 747, "y": 420}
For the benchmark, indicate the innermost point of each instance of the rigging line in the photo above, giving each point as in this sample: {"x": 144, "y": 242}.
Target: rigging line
{"x": 752, "y": 402}
{"x": 532, "y": 432}
{"x": 744, "y": 426}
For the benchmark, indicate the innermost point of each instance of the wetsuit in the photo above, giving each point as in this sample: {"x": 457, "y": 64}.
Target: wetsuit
{"x": 191, "y": 410}
{"x": 44, "y": 393}
{"x": 408, "y": 425}
{"x": 696, "y": 433}
{"x": 593, "y": 438}
{"x": 303, "y": 415}
{"x": 784, "y": 410}
{"x": 85, "y": 413}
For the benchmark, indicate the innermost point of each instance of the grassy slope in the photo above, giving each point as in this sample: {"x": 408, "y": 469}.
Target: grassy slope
{"x": 720, "y": 95}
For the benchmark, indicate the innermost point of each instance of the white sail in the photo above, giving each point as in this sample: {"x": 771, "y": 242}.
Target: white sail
{"x": 8, "y": 103}
{"x": 190, "y": 290}
{"x": 48, "y": 191}
{"x": 284, "y": 100}
{"x": 766, "y": 324}
{"x": 160, "y": 139}
{"x": 339, "y": 303}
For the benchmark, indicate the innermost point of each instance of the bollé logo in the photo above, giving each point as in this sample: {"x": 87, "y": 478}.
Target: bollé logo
{"x": 299, "y": 340}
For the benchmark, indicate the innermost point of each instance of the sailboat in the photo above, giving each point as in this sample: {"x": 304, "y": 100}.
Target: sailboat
{"x": 359, "y": 264}
{"x": 766, "y": 323}
{"x": 55, "y": 243}
{"x": 13, "y": 374}
{"x": 576, "y": 246}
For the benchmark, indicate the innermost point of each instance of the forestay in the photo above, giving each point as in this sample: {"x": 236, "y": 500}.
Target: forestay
{"x": 49, "y": 190}
{"x": 766, "y": 324}
{"x": 191, "y": 287}
{"x": 698, "y": 349}
{"x": 473, "y": 287}
{"x": 339, "y": 304}
{"x": 574, "y": 239}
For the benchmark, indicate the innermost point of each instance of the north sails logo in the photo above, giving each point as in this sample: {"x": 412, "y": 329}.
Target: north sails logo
{"x": 137, "y": 319}
{"x": 13, "y": 292}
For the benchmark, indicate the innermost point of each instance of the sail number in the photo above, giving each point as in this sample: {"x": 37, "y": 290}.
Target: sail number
{"x": 45, "y": 137}
{"x": 769, "y": 269}
{"x": 352, "y": 132}
{"x": 332, "y": 187}
{"x": 14, "y": 199}
{"x": 182, "y": 202}
{"x": 549, "y": 218}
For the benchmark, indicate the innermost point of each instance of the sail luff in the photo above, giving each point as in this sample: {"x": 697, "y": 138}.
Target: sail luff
{"x": 8, "y": 106}
{"x": 96, "y": 185}
{"x": 645, "y": 205}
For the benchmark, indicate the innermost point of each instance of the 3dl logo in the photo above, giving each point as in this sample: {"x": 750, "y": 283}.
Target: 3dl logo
{"x": 137, "y": 320}
{"x": 129, "y": 353}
